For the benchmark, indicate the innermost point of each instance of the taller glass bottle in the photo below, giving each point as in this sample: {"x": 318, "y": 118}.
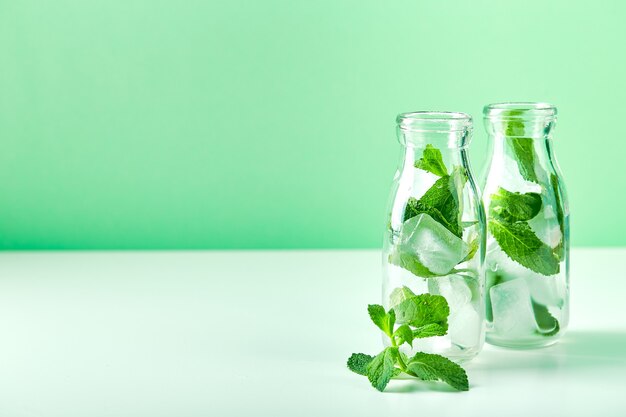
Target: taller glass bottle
{"x": 527, "y": 274}
{"x": 434, "y": 239}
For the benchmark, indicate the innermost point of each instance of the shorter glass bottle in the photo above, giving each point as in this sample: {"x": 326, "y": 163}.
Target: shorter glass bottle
{"x": 527, "y": 261}
{"x": 434, "y": 239}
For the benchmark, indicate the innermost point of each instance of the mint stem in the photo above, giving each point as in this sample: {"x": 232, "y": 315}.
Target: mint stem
{"x": 400, "y": 360}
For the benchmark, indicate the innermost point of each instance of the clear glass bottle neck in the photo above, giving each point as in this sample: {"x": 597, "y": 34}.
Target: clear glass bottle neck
{"x": 451, "y": 156}
{"x": 505, "y": 144}
{"x": 449, "y": 133}
{"x": 521, "y": 120}
{"x": 517, "y": 160}
{"x": 446, "y": 141}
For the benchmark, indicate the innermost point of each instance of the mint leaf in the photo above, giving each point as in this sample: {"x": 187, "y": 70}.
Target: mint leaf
{"x": 415, "y": 207}
{"x": 429, "y": 313}
{"x": 512, "y": 207}
{"x": 473, "y": 248}
{"x": 430, "y": 330}
{"x": 524, "y": 151}
{"x": 442, "y": 201}
{"x": 432, "y": 367}
{"x": 513, "y": 126}
{"x": 382, "y": 368}
{"x": 548, "y": 325}
{"x": 400, "y": 294}
{"x": 523, "y": 148}
{"x": 404, "y": 334}
{"x": 422, "y": 310}
{"x": 384, "y": 321}
{"x": 358, "y": 363}
{"x": 521, "y": 244}
{"x": 411, "y": 263}
{"x": 432, "y": 161}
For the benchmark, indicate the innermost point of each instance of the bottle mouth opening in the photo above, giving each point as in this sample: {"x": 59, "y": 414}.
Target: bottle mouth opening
{"x": 434, "y": 121}
{"x": 520, "y": 110}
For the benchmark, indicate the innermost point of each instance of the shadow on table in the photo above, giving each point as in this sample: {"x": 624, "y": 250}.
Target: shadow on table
{"x": 596, "y": 344}
{"x": 576, "y": 349}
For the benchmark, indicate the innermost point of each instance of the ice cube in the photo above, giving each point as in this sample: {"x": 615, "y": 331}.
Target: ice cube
{"x": 512, "y": 310}
{"x": 465, "y": 326}
{"x": 436, "y": 247}
{"x": 453, "y": 288}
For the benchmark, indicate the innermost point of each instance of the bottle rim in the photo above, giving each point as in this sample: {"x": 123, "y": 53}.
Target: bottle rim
{"x": 434, "y": 121}
{"x": 525, "y": 110}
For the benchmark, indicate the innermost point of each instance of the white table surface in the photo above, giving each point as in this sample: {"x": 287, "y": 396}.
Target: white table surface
{"x": 267, "y": 333}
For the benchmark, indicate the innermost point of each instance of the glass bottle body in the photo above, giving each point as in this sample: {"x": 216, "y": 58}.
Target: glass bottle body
{"x": 527, "y": 260}
{"x": 434, "y": 239}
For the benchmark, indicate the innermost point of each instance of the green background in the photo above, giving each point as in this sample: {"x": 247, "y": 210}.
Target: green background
{"x": 270, "y": 124}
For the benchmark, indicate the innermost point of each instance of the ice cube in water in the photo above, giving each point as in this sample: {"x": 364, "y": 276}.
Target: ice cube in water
{"x": 512, "y": 309}
{"x": 453, "y": 288}
{"x": 436, "y": 247}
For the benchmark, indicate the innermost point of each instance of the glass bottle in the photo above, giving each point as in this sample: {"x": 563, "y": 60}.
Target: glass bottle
{"x": 527, "y": 261}
{"x": 434, "y": 239}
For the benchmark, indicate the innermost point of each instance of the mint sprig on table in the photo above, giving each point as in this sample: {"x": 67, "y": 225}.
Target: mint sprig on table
{"x": 417, "y": 316}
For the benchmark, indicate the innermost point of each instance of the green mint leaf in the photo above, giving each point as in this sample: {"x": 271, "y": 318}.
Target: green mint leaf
{"x": 404, "y": 334}
{"x": 432, "y": 367}
{"x": 473, "y": 248}
{"x": 442, "y": 201}
{"x": 382, "y": 368}
{"x": 411, "y": 263}
{"x": 432, "y": 161}
{"x": 425, "y": 310}
{"x": 524, "y": 151}
{"x": 523, "y": 148}
{"x": 422, "y": 310}
{"x": 521, "y": 244}
{"x": 429, "y": 330}
{"x": 358, "y": 363}
{"x": 385, "y": 321}
{"x": 512, "y": 207}
{"x": 400, "y": 294}
{"x": 548, "y": 325}
{"x": 513, "y": 126}
{"x": 559, "y": 250}
{"x": 416, "y": 207}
